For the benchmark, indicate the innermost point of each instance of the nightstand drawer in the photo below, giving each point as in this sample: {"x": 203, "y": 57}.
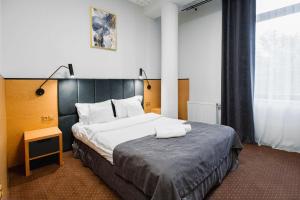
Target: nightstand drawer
{"x": 42, "y": 147}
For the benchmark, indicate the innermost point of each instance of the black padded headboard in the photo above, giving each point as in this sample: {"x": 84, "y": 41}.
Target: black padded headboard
{"x": 73, "y": 91}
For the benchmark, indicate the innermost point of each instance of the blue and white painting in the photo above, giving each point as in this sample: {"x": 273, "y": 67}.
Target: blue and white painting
{"x": 103, "y": 29}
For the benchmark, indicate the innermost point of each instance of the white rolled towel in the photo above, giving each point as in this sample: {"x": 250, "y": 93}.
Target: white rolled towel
{"x": 172, "y": 130}
{"x": 187, "y": 127}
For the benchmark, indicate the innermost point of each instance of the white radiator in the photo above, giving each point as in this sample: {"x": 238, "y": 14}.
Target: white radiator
{"x": 204, "y": 112}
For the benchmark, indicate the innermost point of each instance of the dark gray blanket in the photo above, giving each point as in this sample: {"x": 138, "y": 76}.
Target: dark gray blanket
{"x": 170, "y": 169}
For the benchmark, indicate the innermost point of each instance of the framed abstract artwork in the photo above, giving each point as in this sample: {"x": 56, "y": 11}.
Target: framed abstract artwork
{"x": 103, "y": 29}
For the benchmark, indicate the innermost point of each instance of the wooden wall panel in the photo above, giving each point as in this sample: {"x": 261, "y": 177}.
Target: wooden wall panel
{"x": 153, "y": 96}
{"x": 25, "y": 111}
{"x": 184, "y": 94}
{"x": 3, "y": 139}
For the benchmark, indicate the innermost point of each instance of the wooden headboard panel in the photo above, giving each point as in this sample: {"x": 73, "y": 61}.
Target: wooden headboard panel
{"x": 89, "y": 91}
{"x": 24, "y": 111}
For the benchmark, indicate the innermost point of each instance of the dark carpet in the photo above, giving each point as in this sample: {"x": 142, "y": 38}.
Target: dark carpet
{"x": 264, "y": 173}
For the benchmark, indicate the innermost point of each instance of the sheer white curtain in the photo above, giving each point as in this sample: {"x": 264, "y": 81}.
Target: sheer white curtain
{"x": 277, "y": 78}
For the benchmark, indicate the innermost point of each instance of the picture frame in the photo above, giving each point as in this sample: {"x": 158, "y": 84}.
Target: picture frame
{"x": 103, "y": 29}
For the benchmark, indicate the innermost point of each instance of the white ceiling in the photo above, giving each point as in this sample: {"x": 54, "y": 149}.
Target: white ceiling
{"x": 146, "y": 3}
{"x": 182, "y": 2}
{"x": 142, "y": 2}
{"x": 152, "y": 7}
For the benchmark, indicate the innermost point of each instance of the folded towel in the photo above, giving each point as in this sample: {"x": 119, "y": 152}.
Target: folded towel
{"x": 174, "y": 130}
{"x": 187, "y": 127}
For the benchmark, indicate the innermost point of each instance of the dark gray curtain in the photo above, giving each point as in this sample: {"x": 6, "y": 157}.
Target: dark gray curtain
{"x": 238, "y": 60}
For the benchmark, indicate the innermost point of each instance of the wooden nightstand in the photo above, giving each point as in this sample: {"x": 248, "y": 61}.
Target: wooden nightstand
{"x": 41, "y": 143}
{"x": 156, "y": 110}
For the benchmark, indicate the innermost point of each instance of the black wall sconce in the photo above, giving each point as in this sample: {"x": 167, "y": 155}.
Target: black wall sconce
{"x": 141, "y": 77}
{"x": 40, "y": 91}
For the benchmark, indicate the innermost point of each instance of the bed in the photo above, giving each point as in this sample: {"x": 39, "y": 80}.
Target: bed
{"x": 140, "y": 166}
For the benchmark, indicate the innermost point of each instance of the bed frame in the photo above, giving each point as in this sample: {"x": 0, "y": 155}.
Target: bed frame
{"x": 71, "y": 91}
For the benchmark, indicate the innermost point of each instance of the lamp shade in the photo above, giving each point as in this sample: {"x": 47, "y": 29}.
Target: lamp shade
{"x": 70, "y": 66}
{"x": 141, "y": 74}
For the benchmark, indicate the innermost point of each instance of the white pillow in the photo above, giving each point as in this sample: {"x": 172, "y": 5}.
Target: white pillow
{"x": 134, "y": 108}
{"x": 122, "y": 106}
{"x": 83, "y": 112}
{"x": 101, "y": 112}
{"x": 95, "y": 113}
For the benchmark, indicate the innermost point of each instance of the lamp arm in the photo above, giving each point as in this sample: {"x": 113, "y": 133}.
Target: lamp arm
{"x": 146, "y": 77}
{"x": 51, "y": 76}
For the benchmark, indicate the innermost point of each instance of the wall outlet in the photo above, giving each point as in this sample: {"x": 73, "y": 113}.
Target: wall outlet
{"x": 47, "y": 117}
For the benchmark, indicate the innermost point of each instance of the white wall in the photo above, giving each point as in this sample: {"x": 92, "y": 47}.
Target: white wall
{"x": 40, "y": 35}
{"x": 200, "y": 45}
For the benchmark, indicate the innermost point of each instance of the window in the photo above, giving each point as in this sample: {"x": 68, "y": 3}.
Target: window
{"x": 277, "y": 74}
{"x": 278, "y": 50}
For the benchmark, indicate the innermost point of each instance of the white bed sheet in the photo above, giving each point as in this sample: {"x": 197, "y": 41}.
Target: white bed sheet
{"x": 104, "y": 137}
